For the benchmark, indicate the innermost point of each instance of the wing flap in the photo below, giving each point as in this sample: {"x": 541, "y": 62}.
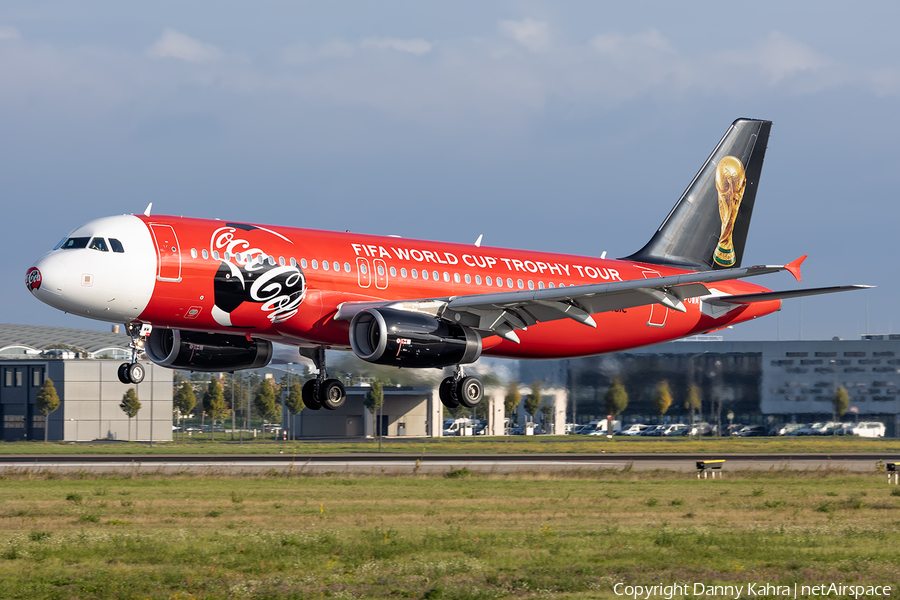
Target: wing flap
{"x": 764, "y": 296}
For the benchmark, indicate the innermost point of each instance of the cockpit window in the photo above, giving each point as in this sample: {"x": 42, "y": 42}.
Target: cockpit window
{"x": 98, "y": 243}
{"x": 75, "y": 242}
{"x": 116, "y": 245}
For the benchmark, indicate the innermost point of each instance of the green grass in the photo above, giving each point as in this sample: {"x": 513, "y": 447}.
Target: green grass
{"x": 462, "y": 536}
{"x": 506, "y": 445}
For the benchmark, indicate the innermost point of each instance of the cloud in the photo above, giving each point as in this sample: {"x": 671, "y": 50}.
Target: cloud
{"x": 780, "y": 57}
{"x": 9, "y": 33}
{"x": 534, "y": 35}
{"x": 173, "y": 44}
{"x": 414, "y": 46}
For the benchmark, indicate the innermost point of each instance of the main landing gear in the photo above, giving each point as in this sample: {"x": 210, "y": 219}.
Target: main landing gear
{"x": 321, "y": 392}
{"x": 133, "y": 372}
{"x": 459, "y": 390}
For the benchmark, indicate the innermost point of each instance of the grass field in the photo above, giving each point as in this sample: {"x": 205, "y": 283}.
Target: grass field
{"x": 459, "y": 536}
{"x": 503, "y": 445}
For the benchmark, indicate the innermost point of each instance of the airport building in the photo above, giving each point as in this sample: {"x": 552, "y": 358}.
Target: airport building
{"x": 83, "y": 367}
{"x": 764, "y": 383}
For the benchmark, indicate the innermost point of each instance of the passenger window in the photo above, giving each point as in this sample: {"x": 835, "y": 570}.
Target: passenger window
{"x": 302, "y": 263}
{"x": 193, "y": 253}
{"x": 315, "y": 264}
{"x": 424, "y": 274}
{"x": 530, "y": 284}
{"x": 216, "y": 254}
{"x": 415, "y": 274}
{"x": 99, "y": 243}
{"x": 488, "y": 280}
{"x": 116, "y": 245}
{"x": 393, "y": 271}
{"x": 436, "y": 276}
{"x": 380, "y": 270}
{"x": 456, "y": 277}
{"x": 478, "y": 279}
{"x": 346, "y": 267}
{"x": 337, "y": 266}
{"x": 325, "y": 265}
{"x": 540, "y": 285}
{"x": 468, "y": 278}
{"x": 403, "y": 272}
{"x": 509, "y": 282}
{"x": 205, "y": 252}
{"x": 281, "y": 260}
{"x": 75, "y": 243}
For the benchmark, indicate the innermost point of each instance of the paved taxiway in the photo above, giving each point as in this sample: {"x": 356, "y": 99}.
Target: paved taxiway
{"x": 400, "y": 464}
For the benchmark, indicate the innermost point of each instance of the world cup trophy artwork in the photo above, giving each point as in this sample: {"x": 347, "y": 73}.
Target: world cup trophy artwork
{"x": 730, "y": 183}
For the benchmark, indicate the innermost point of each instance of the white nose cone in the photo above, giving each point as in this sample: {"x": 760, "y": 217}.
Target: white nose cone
{"x": 105, "y": 270}
{"x": 46, "y": 280}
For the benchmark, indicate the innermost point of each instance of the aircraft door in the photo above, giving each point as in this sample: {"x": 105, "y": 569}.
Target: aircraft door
{"x": 381, "y": 276}
{"x": 167, "y": 252}
{"x": 364, "y": 276}
{"x": 658, "y": 313}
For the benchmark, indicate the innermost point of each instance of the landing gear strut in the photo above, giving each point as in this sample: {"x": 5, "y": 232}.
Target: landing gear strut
{"x": 321, "y": 392}
{"x": 459, "y": 390}
{"x": 133, "y": 372}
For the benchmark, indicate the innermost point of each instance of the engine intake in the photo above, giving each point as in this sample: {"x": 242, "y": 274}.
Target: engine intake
{"x": 387, "y": 336}
{"x": 209, "y": 352}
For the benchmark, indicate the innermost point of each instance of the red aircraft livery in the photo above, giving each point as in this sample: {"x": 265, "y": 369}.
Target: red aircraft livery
{"x": 209, "y": 295}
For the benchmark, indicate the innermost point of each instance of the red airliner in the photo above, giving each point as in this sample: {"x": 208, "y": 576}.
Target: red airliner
{"x": 209, "y": 295}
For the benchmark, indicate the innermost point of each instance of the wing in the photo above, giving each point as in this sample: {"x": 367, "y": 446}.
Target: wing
{"x": 504, "y": 312}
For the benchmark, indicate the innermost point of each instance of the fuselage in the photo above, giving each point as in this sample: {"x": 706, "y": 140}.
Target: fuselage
{"x": 285, "y": 284}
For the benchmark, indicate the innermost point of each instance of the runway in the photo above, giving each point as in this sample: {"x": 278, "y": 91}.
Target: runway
{"x": 410, "y": 464}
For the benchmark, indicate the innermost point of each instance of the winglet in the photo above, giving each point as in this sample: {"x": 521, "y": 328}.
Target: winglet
{"x": 793, "y": 267}
{"x": 147, "y": 210}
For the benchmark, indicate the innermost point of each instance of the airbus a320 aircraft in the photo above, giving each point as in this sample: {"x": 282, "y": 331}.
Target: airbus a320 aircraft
{"x": 208, "y": 295}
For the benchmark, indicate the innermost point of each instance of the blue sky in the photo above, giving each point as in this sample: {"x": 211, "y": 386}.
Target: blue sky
{"x": 570, "y": 127}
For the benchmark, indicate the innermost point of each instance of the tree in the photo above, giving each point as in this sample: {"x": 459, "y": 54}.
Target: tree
{"x": 662, "y": 398}
{"x": 47, "y": 402}
{"x": 692, "y": 402}
{"x": 616, "y": 402}
{"x": 533, "y": 401}
{"x": 264, "y": 401}
{"x": 184, "y": 401}
{"x": 214, "y": 404}
{"x": 373, "y": 401}
{"x": 294, "y": 404}
{"x": 840, "y": 404}
{"x": 512, "y": 399}
{"x": 130, "y": 406}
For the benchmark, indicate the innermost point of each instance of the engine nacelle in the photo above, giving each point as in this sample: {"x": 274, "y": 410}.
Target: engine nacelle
{"x": 210, "y": 352}
{"x": 387, "y": 336}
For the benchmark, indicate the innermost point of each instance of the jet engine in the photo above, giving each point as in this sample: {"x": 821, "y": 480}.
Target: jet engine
{"x": 387, "y": 336}
{"x": 211, "y": 352}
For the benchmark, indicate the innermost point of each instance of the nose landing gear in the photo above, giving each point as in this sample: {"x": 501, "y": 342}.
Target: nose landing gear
{"x": 321, "y": 392}
{"x": 459, "y": 390}
{"x": 133, "y": 372}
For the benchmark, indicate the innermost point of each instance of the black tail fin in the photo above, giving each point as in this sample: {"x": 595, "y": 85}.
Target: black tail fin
{"x": 707, "y": 229}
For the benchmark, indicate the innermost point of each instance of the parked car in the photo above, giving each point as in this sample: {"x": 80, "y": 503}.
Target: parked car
{"x": 634, "y": 429}
{"x": 752, "y": 431}
{"x": 701, "y": 428}
{"x": 676, "y": 430}
{"x": 869, "y": 429}
{"x": 809, "y": 429}
{"x": 653, "y": 431}
{"x": 788, "y": 428}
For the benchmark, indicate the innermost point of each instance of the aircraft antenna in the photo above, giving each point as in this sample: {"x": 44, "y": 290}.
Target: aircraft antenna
{"x": 147, "y": 210}
{"x": 478, "y": 241}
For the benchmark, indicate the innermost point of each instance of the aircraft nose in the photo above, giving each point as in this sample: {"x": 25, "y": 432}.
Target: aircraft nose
{"x": 47, "y": 276}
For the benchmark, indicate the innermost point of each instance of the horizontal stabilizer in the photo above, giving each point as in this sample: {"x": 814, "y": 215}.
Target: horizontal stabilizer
{"x": 749, "y": 298}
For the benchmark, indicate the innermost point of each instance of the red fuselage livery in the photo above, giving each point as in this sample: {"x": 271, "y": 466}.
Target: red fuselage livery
{"x": 367, "y": 268}
{"x": 210, "y": 295}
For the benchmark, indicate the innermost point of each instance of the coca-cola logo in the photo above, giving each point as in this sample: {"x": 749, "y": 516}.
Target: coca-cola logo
{"x": 33, "y": 279}
{"x": 249, "y": 274}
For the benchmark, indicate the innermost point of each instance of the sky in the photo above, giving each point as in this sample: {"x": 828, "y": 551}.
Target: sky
{"x": 568, "y": 127}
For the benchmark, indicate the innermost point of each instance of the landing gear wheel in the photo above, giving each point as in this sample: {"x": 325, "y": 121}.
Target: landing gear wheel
{"x": 447, "y": 393}
{"x": 310, "y": 396}
{"x": 123, "y": 373}
{"x": 469, "y": 391}
{"x": 136, "y": 373}
{"x": 332, "y": 394}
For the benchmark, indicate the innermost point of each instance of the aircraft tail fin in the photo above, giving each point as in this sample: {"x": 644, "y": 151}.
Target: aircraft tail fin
{"x": 707, "y": 228}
